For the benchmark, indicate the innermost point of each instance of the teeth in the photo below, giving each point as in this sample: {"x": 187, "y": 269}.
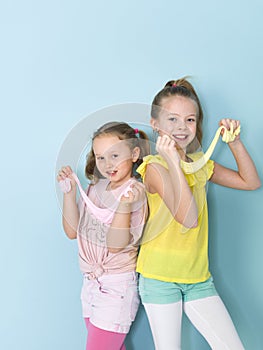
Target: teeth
{"x": 181, "y": 137}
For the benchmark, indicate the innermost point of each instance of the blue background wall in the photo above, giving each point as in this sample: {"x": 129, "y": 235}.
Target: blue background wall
{"x": 62, "y": 60}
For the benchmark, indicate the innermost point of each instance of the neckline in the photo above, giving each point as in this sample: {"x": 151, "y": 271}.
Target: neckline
{"x": 108, "y": 189}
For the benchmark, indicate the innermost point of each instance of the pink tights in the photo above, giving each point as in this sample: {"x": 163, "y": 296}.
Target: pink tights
{"x": 99, "y": 339}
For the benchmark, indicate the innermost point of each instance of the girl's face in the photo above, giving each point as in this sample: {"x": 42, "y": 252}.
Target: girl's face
{"x": 177, "y": 118}
{"x": 114, "y": 158}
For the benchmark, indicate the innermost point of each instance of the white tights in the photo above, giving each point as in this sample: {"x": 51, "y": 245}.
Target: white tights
{"x": 208, "y": 315}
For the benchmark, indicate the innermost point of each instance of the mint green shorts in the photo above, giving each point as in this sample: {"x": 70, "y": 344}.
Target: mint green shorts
{"x": 159, "y": 292}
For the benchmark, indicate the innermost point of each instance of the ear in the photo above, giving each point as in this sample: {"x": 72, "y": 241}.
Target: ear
{"x": 135, "y": 154}
{"x": 154, "y": 123}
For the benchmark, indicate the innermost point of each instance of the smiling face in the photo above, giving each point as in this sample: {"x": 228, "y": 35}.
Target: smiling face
{"x": 114, "y": 158}
{"x": 177, "y": 118}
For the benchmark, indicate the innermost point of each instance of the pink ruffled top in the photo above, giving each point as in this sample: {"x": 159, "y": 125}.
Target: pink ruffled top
{"x": 94, "y": 256}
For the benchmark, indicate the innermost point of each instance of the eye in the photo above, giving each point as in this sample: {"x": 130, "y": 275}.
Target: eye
{"x": 100, "y": 158}
{"x": 115, "y": 156}
{"x": 191, "y": 119}
{"x": 172, "y": 119}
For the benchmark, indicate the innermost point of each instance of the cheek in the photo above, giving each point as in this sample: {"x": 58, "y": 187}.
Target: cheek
{"x": 126, "y": 157}
{"x": 124, "y": 164}
{"x": 100, "y": 165}
{"x": 193, "y": 129}
{"x": 166, "y": 126}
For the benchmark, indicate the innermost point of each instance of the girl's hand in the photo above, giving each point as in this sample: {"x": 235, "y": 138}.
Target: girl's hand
{"x": 167, "y": 148}
{"x": 136, "y": 194}
{"x": 64, "y": 173}
{"x": 226, "y": 122}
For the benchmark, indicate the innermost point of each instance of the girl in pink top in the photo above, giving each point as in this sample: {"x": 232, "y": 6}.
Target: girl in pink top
{"x": 108, "y": 221}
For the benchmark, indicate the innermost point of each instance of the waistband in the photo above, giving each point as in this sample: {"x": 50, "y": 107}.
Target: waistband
{"x": 116, "y": 277}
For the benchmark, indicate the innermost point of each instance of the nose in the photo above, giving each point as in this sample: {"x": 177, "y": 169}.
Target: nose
{"x": 108, "y": 163}
{"x": 181, "y": 124}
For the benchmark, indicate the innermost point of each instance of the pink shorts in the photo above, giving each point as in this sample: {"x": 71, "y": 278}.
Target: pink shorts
{"x": 111, "y": 301}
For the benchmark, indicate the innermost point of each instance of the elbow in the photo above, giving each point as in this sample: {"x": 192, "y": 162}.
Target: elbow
{"x": 71, "y": 235}
{"x": 190, "y": 223}
{"x": 254, "y": 186}
{"x": 257, "y": 185}
{"x": 114, "y": 247}
{"x": 115, "y": 250}
{"x": 195, "y": 224}
{"x": 70, "y": 231}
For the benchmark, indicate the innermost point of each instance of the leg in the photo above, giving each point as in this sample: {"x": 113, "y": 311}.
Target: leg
{"x": 100, "y": 339}
{"x": 165, "y": 322}
{"x": 210, "y": 317}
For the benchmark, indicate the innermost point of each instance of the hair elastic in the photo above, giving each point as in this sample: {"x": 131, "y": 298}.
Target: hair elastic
{"x": 136, "y": 131}
{"x": 174, "y": 85}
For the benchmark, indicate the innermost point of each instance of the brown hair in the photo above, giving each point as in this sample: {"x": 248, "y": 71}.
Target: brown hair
{"x": 180, "y": 87}
{"x": 134, "y": 138}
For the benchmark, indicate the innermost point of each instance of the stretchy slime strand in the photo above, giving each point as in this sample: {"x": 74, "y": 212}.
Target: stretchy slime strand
{"x": 228, "y": 136}
{"x": 105, "y": 215}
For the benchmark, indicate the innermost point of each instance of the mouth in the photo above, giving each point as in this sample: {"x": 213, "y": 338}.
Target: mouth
{"x": 111, "y": 173}
{"x": 180, "y": 137}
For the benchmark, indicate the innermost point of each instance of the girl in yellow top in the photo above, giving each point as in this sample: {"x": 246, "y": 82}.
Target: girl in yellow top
{"x": 173, "y": 259}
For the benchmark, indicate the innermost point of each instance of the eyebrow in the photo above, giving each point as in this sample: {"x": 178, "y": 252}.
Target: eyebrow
{"x": 110, "y": 152}
{"x": 178, "y": 115}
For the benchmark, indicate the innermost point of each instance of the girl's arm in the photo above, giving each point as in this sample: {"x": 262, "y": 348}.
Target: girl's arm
{"x": 70, "y": 214}
{"x": 171, "y": 184}
{"x": 119, "y": 235}
{"x": 246, "y": 176}
{"x": 70, "y": 218}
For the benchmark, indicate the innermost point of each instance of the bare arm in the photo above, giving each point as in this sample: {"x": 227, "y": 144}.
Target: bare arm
{"x": 70, "y": 218}
{"x": 246, "y": 177}
{"x": 119, "y": 235}
{"x": 70, "y": 215}
{"x": 171, "y": 184}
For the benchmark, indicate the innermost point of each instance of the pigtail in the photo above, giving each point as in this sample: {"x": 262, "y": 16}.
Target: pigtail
{"x": 144, "y": 144}
{"x": 142, "y": 141}
{"x": 91, "y": 170}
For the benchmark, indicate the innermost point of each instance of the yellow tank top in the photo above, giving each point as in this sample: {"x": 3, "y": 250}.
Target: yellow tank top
{"x": 169, "y": 251}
